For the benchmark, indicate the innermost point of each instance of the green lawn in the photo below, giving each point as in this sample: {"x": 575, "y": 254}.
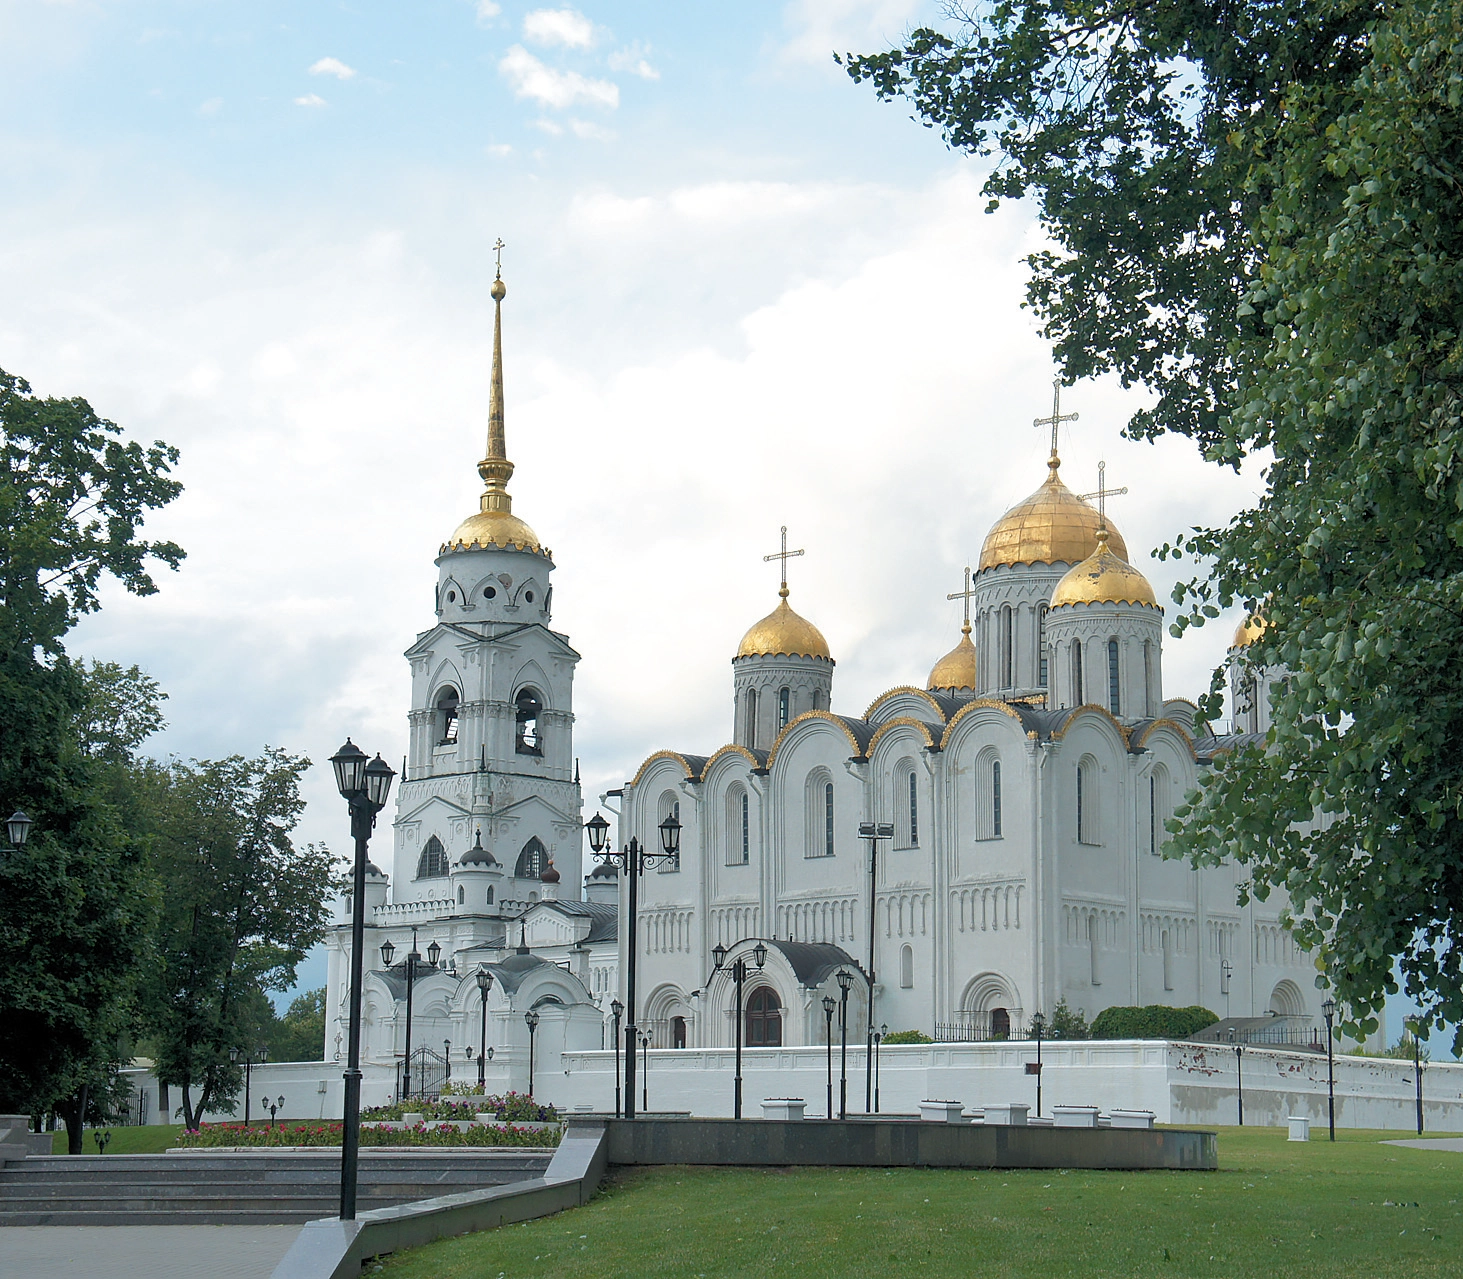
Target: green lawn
{"x": 1273, "y": 1209}
{"x": 150, "y": 1139}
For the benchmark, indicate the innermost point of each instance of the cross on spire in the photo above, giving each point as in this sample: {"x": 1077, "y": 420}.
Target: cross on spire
{"x": 1103, "y": 493}
{"x": 784, "y": 555}
{"x": 498, "y": 249}
{"x": 1057, "y": 417}
{"x": 964, "y": 595}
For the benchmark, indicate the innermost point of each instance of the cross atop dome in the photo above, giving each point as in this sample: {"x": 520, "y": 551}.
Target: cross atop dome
{"x": 1055, "y": 420}
{"x": 966, "y": 595}
{"x": 1103, "y": 493}
{"x": 784, "y": 555}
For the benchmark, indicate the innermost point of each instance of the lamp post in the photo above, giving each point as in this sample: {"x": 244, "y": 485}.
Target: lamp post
{"x": 1417, "y": 1069}
{"x": 259, "y": 1054}
{"x": 274, "y": 1107}
{"x": 485, "y": 984}
{"x": 645, "y": 1073}
{"x": 17, "y": 829}
{"x": 531, "y": 1018}
{"x": 1038, "y": 1024}
{"x": 632, "y": 860}
{"x": 616, "y": 1009}
{"x": 364, "y": 787}
{"x": 1226, "y": 971}
{"x": 739, "y": 975}
{"x": 878, "y": 1039}
{"x": 829, "y": 1004}
{"x": 1239, "y": 1078}
{"x": 873, "y": 832}
{"x": 845, "y": 980}
{"x": 1328, "y": 1011}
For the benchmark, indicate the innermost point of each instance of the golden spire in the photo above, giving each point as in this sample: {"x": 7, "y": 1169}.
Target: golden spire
{"x": 495, "y": 524}
{"x": 783, "y": 632}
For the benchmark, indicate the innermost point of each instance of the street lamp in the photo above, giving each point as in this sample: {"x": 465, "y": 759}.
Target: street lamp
{"x": 1417, "y": 1068}
{"x": 1239, "y": 1078}
{"x": 485, "y": 984}
{"x": 845, "y": 980}
{"x": 1038, "y": 1024}
{"x": 873, "y": 832}
{"x": 739, "y": 975}
{"x": 17, "y": 828}
{"x": 878, "y": 1039}
{"x": 259, "y": 1055}
{"x": 274, "y": 1107}
{"x": 632, "y": 861}
{"x": 616, "y": 1009}
{"x": 413, "y": 958}
{"x": 364, "y": 787}
{"x": 1328, "y": 1011}
{"x": 829, "y": 1004}
{"x": 531, "y": 1018}
{"x": 645, "y": 1073}
{"x": 1226, "y": 971}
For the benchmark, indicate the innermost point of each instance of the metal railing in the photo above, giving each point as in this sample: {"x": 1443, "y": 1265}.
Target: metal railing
{"x": 981, "y": 1028}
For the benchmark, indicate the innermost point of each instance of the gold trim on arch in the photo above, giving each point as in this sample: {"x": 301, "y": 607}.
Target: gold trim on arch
{"x": 900, "y": 721}
{"x": 680, "y": 759}
{"x": 731, "y": 748}
{"x": 980, "y": 703}
{"x": 1059, "y": 733}
{"x": 837, "y": 720}
{"x": 904, "y": 688}
{"x": 1165, "y": 722}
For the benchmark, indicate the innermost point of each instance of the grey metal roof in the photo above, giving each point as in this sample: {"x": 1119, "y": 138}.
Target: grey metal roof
{"x": 604, "y": 917}
{"x": 813, "y": 963}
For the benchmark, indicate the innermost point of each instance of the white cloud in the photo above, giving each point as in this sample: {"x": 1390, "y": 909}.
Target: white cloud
{"x": 332, "y": 66}
{"x": 310, "y": 100}
{"x": 818, "y": 28}
{"x": 499, "y": 149}
{"x": 634, "y": 58}
{"x": 487, "y": 10}
{"x": 566, "y": 27}
{"x": 211, "y": 107}
{"x": 552, "y": 127}
{"x": 530, "y": 78}
{"x": 592, "y": 132}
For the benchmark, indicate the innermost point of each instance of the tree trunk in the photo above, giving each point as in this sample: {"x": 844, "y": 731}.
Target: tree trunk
{"x": 190, "y": 1119}
{"x": 73, "y": 1114}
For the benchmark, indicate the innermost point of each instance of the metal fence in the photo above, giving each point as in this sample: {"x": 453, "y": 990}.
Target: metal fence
{"x": 429, "y": 1072}
{"x": 982, "y": 1028}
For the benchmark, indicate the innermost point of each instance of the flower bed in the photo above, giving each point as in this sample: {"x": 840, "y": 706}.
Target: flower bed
{"x": 512, "y": 1107}
{"x": 328, "y": 1134}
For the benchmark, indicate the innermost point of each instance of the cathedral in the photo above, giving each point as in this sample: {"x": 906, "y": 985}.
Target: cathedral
{"x": 966, "y": 854}
{"x": 973, "y": 852}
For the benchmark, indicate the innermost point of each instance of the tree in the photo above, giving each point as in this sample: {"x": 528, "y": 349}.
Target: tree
{"x": 242, "y": 907}
{"x": 1255, "y": 213}
{"x": 77, "y": 902}
{"x": 300, "y": 1034}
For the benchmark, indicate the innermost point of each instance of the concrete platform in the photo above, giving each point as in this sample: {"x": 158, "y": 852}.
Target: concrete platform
{"x": 143, "y": 1252}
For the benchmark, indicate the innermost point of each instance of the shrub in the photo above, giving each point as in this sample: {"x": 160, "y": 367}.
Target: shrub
{"x": 1152, "y": 1021}
{"x": 1067, "y": 1023}
{"x": 907, "y": 1037}
{"x": 328, "y": 1134}
{"x": 513, "y": 1107}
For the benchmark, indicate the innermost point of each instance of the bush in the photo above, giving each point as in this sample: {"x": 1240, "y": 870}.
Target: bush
{"x": 328, "y": 1134}
{"x": 1152, "y": 1021}
{"x": 1067, "y": 1023}
{"x": 907, "y": 1037}
{"x": 513, "y": 1107}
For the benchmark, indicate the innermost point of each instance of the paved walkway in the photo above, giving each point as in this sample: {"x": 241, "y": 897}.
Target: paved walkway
{"x": 143, "y": 1252}
{"x": 1431, "y": 1143}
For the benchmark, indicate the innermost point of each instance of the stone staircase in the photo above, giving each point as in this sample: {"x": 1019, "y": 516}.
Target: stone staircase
{"x": 239, "y": 1188}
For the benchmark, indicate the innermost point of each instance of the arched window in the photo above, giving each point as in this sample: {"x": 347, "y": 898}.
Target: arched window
{"x": 1077, "y": 698}
{"x": 461, "y": 895}
{"x": 1000, "y": 1024}
{"x": 447, "y": 701}
{"x": 669, "y": 806}
{"x": 820, "y": 700}
{"x": 828, "y": 819}
{"x": 1089, "y": 830}
{"x": 1041, "y": 662}
{"x": 738, "y": 827}
{"x": 906, "y": 805}
{"x": 528, "y": 706}
{"x": 432, "y": 864}
{"x": 490, "y": 895}
{"x": 1007, "y": 645}
{"x": 995, "y": 799}
{"x": 906, "y": 967}
{"x": 784, "y": 707}
{"x": 988, "y": 794}
{"x": 1148, "y": 677}
{"x": 818, "y": 802}
{"x": 678, "y": 1032}
{"x": 1114, "y": 703}
{"x": 533, "y": 860}
{"x": 764, "y": 1019}
{"x": 750, "y": 710}
{"x": 1157, "y": 807}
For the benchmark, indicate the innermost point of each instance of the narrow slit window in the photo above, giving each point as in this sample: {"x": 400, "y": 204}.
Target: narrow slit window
{"x": 1077, "y": 699}
{"x": 913, "y": 811}
{"x": 784, "y": 706}
{"x": 996, "y": 799}
{"x": 1041, "y": 658}
{"x": 1113, "y": 702}
{"x": 828, "y": 820}
{"x": 746, "y": 831}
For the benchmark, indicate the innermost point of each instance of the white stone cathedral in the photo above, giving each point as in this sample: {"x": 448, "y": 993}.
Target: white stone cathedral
{"x": 1026, "y": 787}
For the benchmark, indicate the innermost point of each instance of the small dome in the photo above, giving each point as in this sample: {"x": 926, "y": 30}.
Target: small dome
{"x": 550, "y": 875}
{"x": 373, "y": 871}
{"x": 477, "y": 855}
{"x": 784, "y": 633}
{"x": 493, "y": 528}
{"x": 956, "y": 670}
{"x": 603, "y": 870}
{"x": 1104, "y": 577}
{"x": 1249, "y": 631}
{"x": 1052, "y": 526}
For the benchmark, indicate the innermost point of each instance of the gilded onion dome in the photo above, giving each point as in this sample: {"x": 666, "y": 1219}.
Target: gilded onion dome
{"x": 955, "y": 671}
{"x": 1249, "y": 631}
{"x": 1104, "y": 577}
{"x": 1052, "y": 526}
{"x": 494, "y": 524}
{"x": 784, "y": 633}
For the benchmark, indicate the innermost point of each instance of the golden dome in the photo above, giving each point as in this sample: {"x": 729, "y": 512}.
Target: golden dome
{"x": 1104, "y": 577}
{"x": 1249, "y": 631}
{"x": 956, "y": 670}
{"x": 1052, "y": 526}
{"x": 494, "y": 528}
{"x": 784, "y": 633}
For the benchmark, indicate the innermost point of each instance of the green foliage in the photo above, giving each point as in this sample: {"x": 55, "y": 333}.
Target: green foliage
{"x": 511, "y": 1107}
{"x": 242, "y": 907}
{"x": 1152, "y": 1021}
{"x": 300, "y": 1034}
{"x": 907, "y": 1037}
{"x": 1255, "y": 211}
{"x": 122, "y": 708}
{"x": 318, "y": 1134}
{"x": 1067, "y": 1023}
{"x": 1403, "y": 1050}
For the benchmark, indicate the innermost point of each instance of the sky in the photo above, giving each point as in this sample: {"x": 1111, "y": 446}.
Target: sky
{"x": 742, "y": 293}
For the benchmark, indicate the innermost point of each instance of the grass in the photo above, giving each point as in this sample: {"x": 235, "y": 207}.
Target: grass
{"x": 1274, "y": 1208}
{"x": 149, "y": 1139}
